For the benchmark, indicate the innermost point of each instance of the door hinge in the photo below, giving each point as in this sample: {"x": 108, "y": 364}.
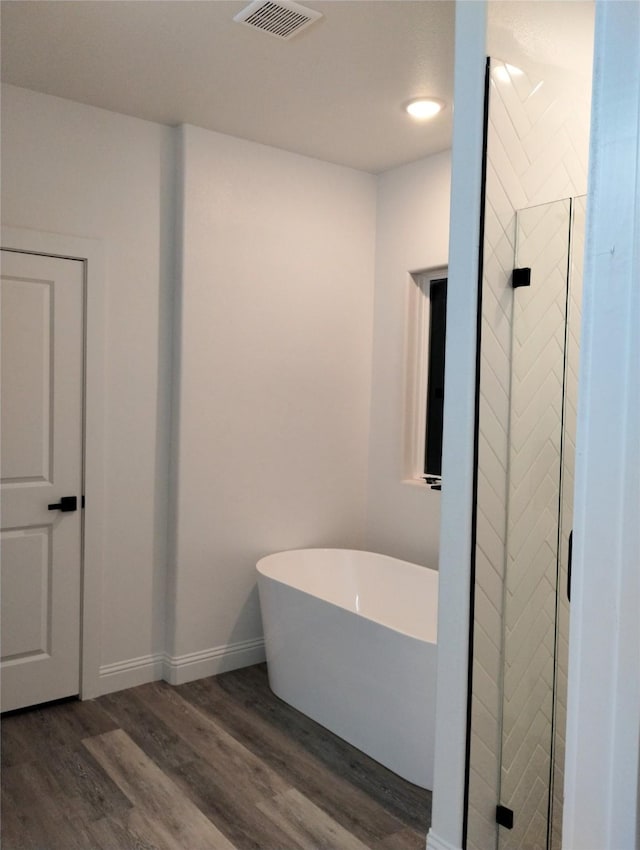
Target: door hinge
{"x": 504, "y": 817}
{"x": 521, "y": 277}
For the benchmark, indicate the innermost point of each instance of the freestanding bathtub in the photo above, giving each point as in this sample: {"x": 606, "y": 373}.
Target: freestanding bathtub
{"x": 351, "y": 642}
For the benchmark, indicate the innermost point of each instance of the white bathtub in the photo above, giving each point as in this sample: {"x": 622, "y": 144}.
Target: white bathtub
{"x": 351, "y": 642}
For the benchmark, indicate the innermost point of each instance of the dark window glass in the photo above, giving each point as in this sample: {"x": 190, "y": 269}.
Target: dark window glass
{"x": 435, "y": 386}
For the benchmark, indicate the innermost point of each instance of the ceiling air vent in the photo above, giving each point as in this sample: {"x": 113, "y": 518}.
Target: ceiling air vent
{"x": 283, "y": 19}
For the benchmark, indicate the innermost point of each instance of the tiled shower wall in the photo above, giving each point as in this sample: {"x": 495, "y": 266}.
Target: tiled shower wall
{"x": 537, "y": 152}
{"x": 535, "y": 454}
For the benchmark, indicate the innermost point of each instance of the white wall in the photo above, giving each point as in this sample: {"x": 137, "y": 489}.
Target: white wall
{"x": 272, "y": 402}
{"x": 73, "y": 169}
{"x": 458, "y": 447}
{"x": 403, "y": 519}
{"x": 602, "y": 802}
{"x": 272, "y": 362}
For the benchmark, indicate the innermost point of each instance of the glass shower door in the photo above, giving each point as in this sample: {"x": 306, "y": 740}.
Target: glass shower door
{"x": 538, "y": 525}
{"x": 574, "y": 315}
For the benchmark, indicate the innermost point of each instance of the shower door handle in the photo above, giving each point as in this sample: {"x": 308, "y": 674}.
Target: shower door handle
{"x": 569, "y": 561}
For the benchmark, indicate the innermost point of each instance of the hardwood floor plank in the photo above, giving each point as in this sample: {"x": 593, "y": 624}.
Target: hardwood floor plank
{"x": 112, "y": 833}
{"x": 169, "y": 815}
{"x": 151, "y": 734}
{"x": 307, "y": 824}
{"x": 349, "y": 786}
{"x": 137, "y": 832}
{"x": 400, "y": 797}
{"x": 406, "y": 839}
{"x": 133, "y": 832}
{"x": 244, "y": 825}
{"x": 153, "y": 715}
{"x": 170, "y": 835}
{"x": 236, "y": 765}
{"x": 83, "y": 788}
{"x": 34, "y": 733}
{"x": 34, "y": 816}
{"x": 16, "y": 831}
{"x": 217, "y": 764}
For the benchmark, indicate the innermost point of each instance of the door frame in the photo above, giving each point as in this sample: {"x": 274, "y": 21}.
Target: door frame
{"x": 90, "y": 253}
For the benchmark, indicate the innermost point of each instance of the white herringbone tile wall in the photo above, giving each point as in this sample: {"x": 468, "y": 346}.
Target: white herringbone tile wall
{"x": 537, "y": 152}
{"x": 535, "y": 446}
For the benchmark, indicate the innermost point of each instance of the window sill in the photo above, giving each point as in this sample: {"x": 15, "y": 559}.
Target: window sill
{"x": 421, "y": 484}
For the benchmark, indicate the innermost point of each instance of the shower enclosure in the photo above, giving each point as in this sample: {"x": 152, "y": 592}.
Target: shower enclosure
{"x": 536, "y": 588}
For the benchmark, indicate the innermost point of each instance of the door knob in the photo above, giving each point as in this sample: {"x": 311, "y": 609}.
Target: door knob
{"x": 66, "y": 505}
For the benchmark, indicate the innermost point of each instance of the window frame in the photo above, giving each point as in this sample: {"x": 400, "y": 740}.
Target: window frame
{"x": 417, "y": 373}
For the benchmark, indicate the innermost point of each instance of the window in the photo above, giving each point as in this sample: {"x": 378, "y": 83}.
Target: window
{"x": 425, "y": 374}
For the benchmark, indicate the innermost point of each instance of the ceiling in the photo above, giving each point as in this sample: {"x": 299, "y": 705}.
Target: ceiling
{"x": 335, "y": 91}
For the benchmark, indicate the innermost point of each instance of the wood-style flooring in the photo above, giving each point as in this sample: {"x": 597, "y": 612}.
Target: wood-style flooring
{"x": 217, "y": 764}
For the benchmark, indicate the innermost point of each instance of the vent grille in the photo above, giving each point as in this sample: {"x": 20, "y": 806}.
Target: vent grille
{"x": 283, "y": 19}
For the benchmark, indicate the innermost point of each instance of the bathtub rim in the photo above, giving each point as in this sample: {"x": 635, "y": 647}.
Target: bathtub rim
{"x": 348, "y": 610}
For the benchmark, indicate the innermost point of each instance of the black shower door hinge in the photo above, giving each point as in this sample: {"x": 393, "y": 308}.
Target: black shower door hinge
{"x": 521, "y": 277}
{"x": 504, "y": 817}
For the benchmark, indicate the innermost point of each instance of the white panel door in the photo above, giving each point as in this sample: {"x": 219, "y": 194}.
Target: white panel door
{"x": 41, "y": 309}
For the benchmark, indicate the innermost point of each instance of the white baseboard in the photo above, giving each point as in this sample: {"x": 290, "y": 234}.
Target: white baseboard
{"x": 209, "y": 662}
{"x": 128, "y": 674}
{"x": 179, "y": 669}
{"x": 434, "y": 842}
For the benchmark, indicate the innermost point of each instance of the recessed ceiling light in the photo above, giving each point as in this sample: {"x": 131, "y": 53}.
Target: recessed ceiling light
{"x": 422, "y": 108}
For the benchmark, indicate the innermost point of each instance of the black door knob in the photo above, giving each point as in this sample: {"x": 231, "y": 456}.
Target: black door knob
{"x": 66, "y": 505}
